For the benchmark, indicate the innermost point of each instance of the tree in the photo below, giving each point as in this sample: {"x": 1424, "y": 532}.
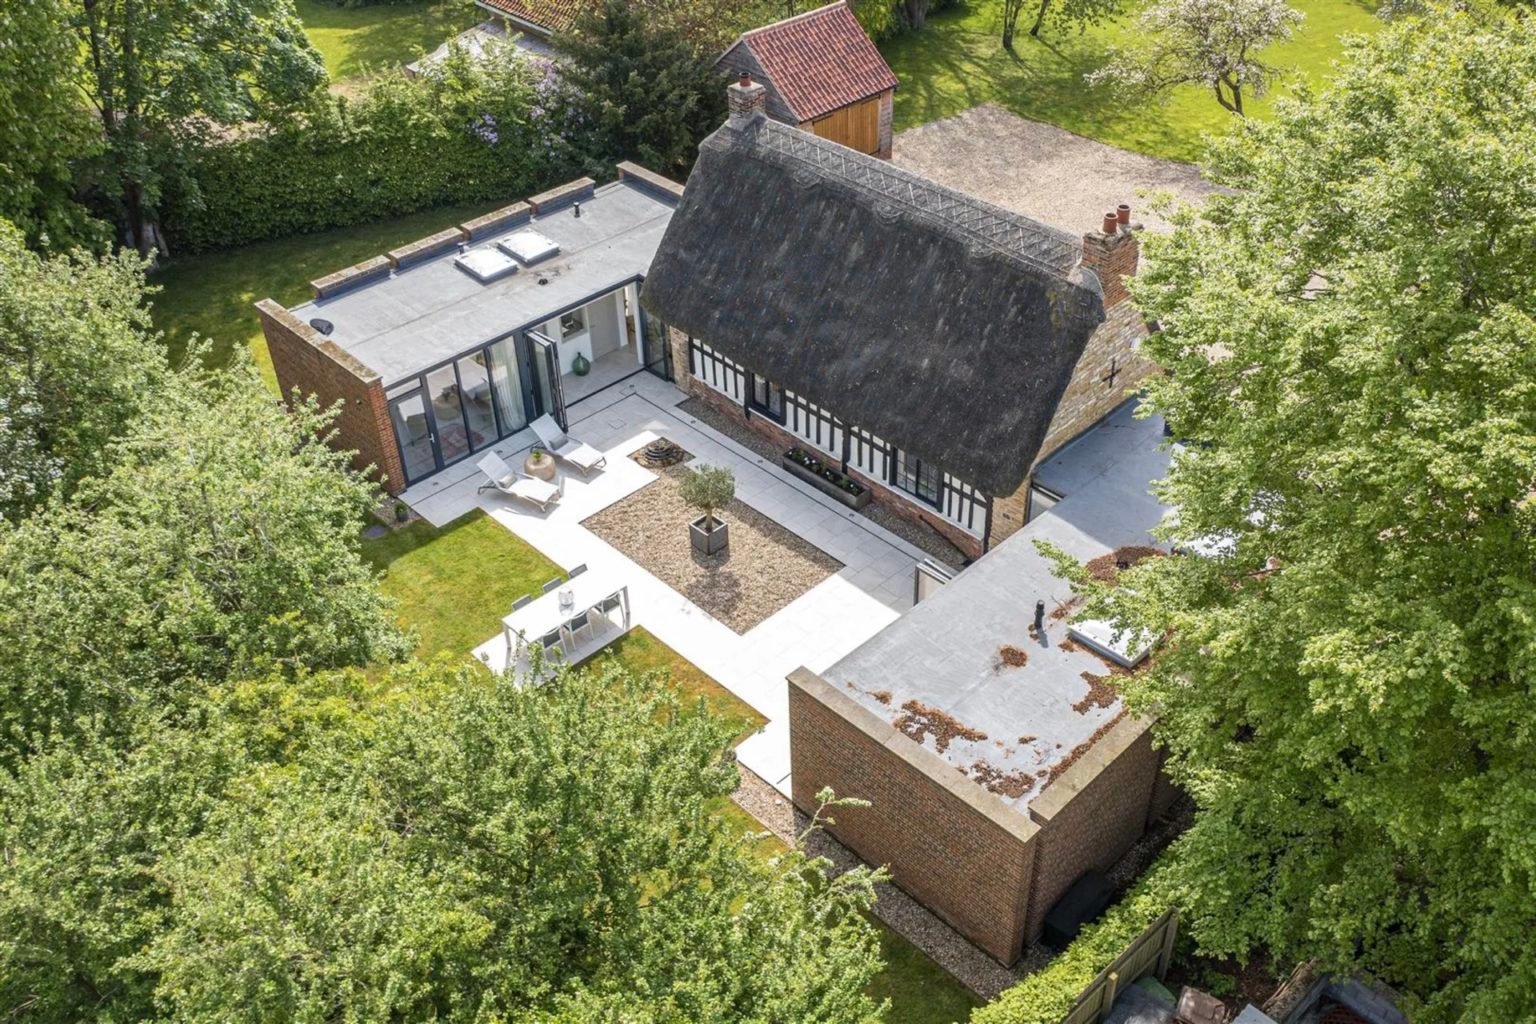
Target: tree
{"x": 44, "y": 130}
{"x": 434, "y": 843}
{"x": 645, "y": 90}
{"x": 708, "y": 489}
{"x": 1212, "y": 43}
{"x": 1347, "y": 689}
{"x": 1080, "y": 13}
{"x": 161, "y": 73}
{"x": 77, "y": 362}
{"x": 220, "y": 541}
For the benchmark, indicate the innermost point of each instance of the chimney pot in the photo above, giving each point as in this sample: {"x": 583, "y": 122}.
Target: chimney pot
{"x": 1111, "y": 223}
{"x": 1123, "y": 214}
{"x": 744, "y": 79}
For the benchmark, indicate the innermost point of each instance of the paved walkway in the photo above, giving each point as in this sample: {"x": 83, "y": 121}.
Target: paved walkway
{"x": 871, "y": 590}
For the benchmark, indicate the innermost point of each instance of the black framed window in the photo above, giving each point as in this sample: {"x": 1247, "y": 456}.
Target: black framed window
{"x": 916, "y": 478}
{"x": 767, "y": 398}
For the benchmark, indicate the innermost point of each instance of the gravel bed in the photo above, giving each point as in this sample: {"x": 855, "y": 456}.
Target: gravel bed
{"x": 764, "y": 567}
{"x": 930, "y": 541}
{"x": 912, "y": 921}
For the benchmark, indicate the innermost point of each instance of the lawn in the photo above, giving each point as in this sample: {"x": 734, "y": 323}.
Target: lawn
{"x": 454, "y": 584}
{"x": 214, "y": 295}
{"x": 958, "y": 62}
{"x": 357, "y": 40}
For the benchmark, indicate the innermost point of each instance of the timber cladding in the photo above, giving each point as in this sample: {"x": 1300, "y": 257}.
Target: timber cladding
{"x": 856, "y": 126}
{"x": 308, "y": 363}
{"x": 989, "y": 869}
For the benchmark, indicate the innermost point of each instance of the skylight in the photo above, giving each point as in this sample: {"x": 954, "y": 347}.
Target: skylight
{"x": 528, "y": 246}
{"x": 485, "y": 264}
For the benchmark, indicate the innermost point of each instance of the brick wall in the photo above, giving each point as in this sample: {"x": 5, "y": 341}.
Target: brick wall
{"x": 311, "y": 364}
{"x": 1092, "y": 813}
{"x": 952, "y": 845}
{"x": 989, "y": 870}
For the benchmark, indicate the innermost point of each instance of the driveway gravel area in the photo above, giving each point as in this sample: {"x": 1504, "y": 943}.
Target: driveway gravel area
{"x": 1041, "y": 171}
{"x": 763, "y": 568}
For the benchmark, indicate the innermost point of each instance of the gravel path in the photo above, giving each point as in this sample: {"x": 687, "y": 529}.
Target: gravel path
{"x": 1042, "y": 171}
{"x": 916, "y": 534}
{"x": 764, "y": 567}
{"x": 940, "y": 943}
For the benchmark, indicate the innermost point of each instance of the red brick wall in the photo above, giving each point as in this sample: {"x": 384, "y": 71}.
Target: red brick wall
{"x": 953, "y": 846}
{"x": 1092, "y": 813}
{"x": 311, "y": 364}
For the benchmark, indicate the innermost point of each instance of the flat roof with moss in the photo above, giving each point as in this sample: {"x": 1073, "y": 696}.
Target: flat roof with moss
{"x": 962, "y": 674}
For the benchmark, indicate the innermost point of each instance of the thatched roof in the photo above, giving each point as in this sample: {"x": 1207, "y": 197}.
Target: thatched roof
{"x": 942, "y": 324}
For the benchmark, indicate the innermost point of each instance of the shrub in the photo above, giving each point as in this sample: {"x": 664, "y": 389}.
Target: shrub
{"x": 470, "y": 130}
{"x": 1045, "y": 996}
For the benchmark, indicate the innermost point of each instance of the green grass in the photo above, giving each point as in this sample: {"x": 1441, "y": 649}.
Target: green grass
{"x": 958, "y": 62}
{"x": 213, "y": 296}
{"x": 454, "y": 584}
{"x": 641, "y": 652}
{"x": 357, "y": 40}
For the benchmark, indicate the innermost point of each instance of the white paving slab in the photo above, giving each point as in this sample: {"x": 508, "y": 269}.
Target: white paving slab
{"x": 873, "y": 588}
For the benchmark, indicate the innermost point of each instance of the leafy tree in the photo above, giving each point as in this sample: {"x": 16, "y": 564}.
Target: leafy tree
{"x": 1211, "y": 43}
{"x": 44, "y": 130}
{"x": 77, "y": 360}
{"x": 1347, "y": 685}
{"x": 643, "y": 90}
{"x": 1078, "y": 13}
{"x": 163, "y": 73}
{"x": 434, "y": 844}
{"x": 222, "y": 538}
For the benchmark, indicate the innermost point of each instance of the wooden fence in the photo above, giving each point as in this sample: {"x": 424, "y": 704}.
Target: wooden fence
{"x": 1149, "y": 953}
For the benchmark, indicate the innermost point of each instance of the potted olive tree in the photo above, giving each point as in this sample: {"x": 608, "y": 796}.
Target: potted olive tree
{"x": 708, "y": 489}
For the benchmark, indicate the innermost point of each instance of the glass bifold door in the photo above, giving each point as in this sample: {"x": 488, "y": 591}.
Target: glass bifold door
{"x": 458, "y": 408}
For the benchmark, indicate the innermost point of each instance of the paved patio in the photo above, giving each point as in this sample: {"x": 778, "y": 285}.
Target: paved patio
{"x": 873, "y": 588}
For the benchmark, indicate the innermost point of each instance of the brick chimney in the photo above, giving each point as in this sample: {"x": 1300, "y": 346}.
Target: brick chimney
{"x": 1112, "y": 253}
{"x": 746, "y": 100}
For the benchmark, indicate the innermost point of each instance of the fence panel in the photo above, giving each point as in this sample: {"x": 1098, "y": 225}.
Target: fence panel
{"x": 1148, "y": 953}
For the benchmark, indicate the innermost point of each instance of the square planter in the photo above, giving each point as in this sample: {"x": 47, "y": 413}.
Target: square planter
{"x": 709, "y": 542}
{"x": 825, "y": 486}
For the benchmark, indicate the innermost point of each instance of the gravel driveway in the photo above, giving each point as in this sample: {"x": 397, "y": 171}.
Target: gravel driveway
{"x": 1040, "y": 170}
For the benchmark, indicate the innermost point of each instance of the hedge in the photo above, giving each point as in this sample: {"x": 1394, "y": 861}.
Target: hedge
{"x": 474, "y": 131}
{"x": 1046, "y": 996}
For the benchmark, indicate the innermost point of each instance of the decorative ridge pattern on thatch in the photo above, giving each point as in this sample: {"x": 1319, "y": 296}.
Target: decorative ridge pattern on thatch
{"x": 1010, "y": 235}
{"x": 941, "y": 324}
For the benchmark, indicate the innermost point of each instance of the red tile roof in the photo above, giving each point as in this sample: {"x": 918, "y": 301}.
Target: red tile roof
{"x": 553, "y": 15}
{"x": 820, "y": 61}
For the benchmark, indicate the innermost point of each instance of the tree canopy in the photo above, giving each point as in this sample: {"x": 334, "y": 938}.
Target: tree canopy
{"x": 218, "y": 540}
{"x": 435, "y": 843}
{"x": 643, "y": 88}
{"x": 77, "y": 361}
{"x": 1348, "y": 680}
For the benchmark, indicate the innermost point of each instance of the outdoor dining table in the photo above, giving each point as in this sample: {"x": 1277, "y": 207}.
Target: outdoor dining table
{"x": 564, "y": 610}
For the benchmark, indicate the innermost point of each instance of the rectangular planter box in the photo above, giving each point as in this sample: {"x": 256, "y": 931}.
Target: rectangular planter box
{"x": 826, "y": 487}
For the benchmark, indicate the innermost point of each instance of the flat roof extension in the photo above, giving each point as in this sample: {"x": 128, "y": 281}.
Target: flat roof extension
{"x": 938, "y": 673}
{"x": 431, "y": 311}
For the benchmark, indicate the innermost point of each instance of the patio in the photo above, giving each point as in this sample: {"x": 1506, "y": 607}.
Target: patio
{"x": 872, "y": 587}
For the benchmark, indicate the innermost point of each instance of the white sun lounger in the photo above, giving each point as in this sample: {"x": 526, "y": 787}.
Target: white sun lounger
{"x": 539, "y": 493}
{"x": 562, "y": 446}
